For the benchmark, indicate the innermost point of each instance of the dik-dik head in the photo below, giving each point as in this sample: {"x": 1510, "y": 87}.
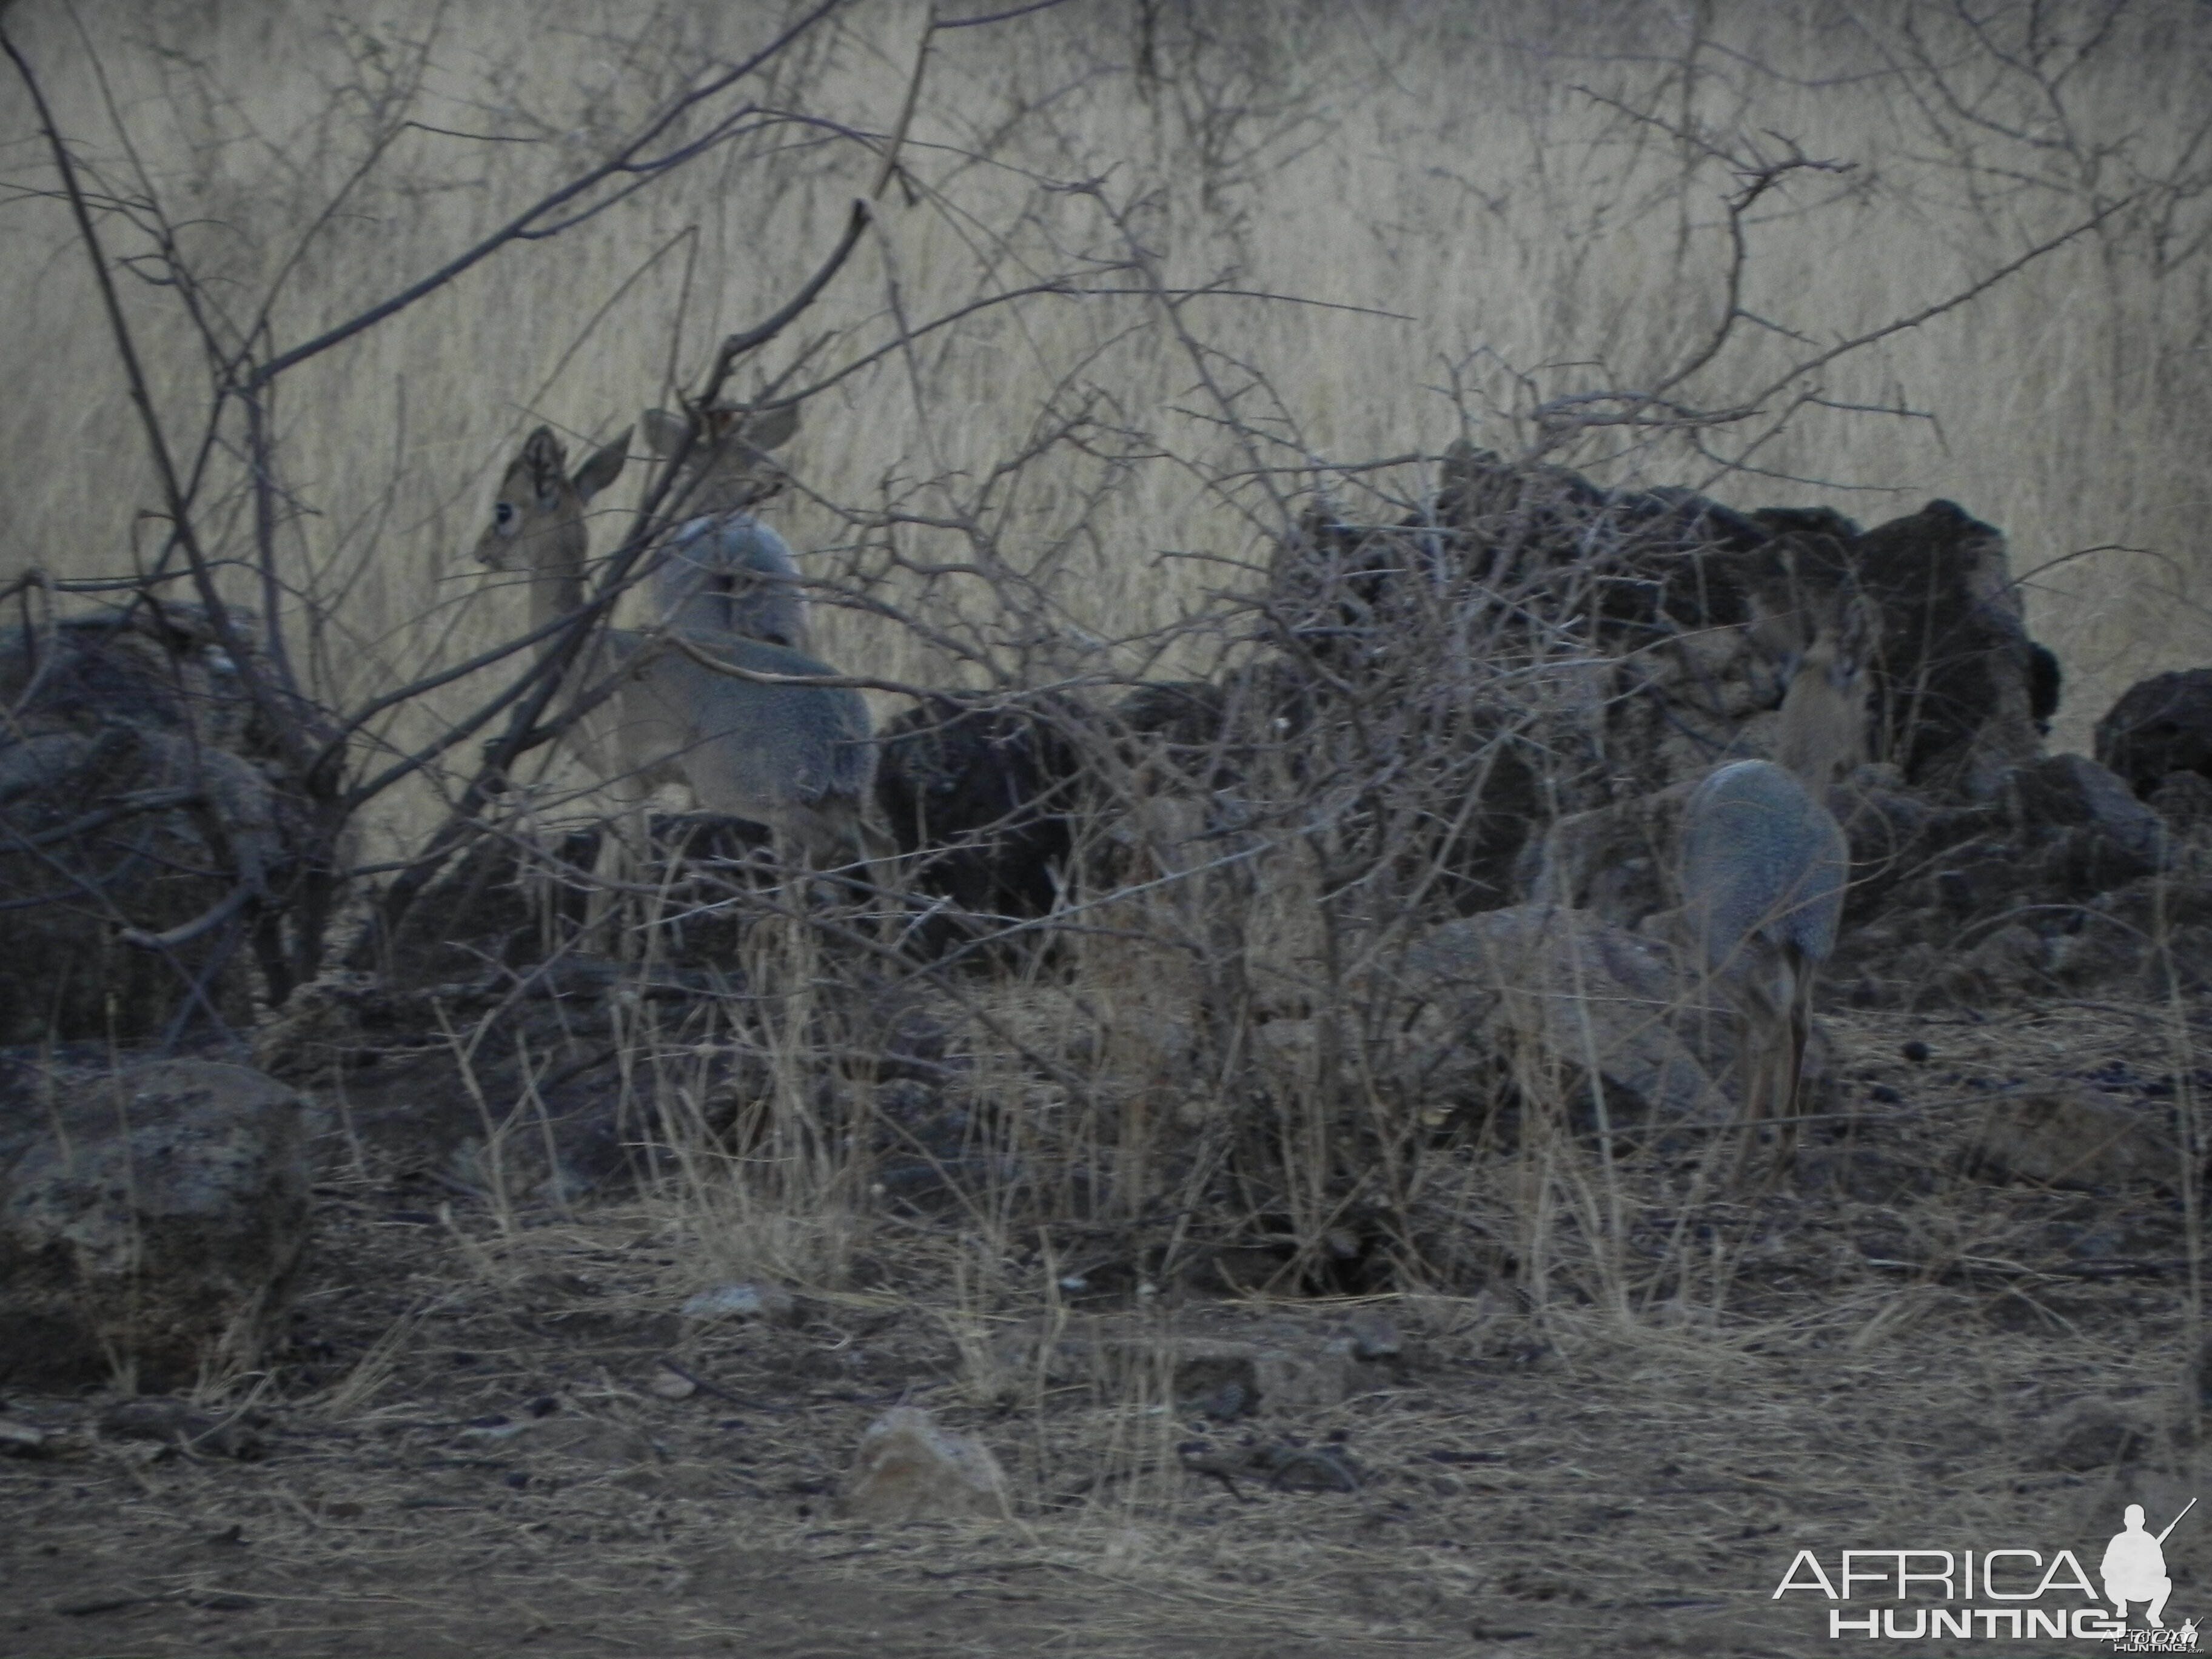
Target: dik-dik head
{"x": 729, "y": 468}
{"x": 1823, "y": 731}
{"x": 537, "y": 519}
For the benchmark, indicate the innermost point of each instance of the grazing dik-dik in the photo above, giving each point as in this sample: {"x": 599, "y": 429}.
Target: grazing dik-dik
{"x": 1764, "y": 864}
{"x": 798, "y": 758}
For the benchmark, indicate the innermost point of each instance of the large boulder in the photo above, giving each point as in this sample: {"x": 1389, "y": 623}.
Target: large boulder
{"x": 1509, "y": 553}
{"x": 141, "y": 837}
{"x": 1958, "y": 682}
{"x": 2161, "y": 725}
{"x": 153, "y": 1220}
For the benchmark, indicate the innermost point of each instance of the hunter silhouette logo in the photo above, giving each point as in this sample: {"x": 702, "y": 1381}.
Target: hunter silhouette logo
{"x": 2003, "y": 1594}
{"x": 2135, "y": 1567}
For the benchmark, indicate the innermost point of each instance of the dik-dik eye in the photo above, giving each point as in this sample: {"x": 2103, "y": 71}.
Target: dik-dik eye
{"x": 503, "y": 517}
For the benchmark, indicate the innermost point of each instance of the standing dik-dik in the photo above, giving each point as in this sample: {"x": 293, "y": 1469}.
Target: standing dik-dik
{"x": 1764, "y": 865}
{"x": 799, "y": 758}
{"x": 721, "y": 567}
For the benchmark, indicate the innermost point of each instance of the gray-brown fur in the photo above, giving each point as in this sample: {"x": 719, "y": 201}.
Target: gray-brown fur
{"x": 723, "y": 568}
{"x": 799, "y": 758}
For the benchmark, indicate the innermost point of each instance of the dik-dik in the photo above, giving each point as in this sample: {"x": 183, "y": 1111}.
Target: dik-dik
{"x": 1764, "y": 864}
{"x": 799, "y": 758}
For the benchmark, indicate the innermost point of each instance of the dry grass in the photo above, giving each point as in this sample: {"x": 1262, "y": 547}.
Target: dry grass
{"x": 1461, "y": 215}
{"x": 483, "y": 1451}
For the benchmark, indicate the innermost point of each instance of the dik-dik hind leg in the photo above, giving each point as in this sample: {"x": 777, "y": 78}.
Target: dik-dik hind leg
{"x": 1791, "y": 1082}
{"x": 1770, "y": 1094}
{"x": 1756, "y": 1066}
{"x": 850, "y": 858}
{"x": 625, "y": 857}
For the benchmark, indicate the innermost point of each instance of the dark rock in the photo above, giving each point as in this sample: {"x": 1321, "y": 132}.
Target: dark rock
{"x": 136, "y": 803}
{"x": 2184, "y": 799}
{"x": 2045, "y": 681}
{"x": 508, "y": 902}
{"x": 153, "y": 1220}
{"x": 2161, "y": 725}
{"x": 983, "y": 788}
{"x": 1957, "y": 671}
{"x": 2107, "y": 836}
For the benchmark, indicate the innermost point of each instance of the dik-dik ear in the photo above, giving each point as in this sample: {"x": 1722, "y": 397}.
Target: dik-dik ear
{"x": 603, "y": 467}
{"x": 666, "y": 433}
{"x": 773, "y": 429}
{"x": 546, "y": 465}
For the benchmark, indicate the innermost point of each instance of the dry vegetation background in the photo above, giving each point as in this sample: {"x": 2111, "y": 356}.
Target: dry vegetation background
{"x": 1151, "y": 274}
{"x": 1463, "y": 213}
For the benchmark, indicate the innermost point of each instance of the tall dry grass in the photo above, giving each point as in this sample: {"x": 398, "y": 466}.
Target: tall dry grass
{"x": 1460, "y": 213}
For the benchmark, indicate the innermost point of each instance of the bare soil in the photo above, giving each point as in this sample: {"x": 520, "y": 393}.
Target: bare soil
{"x": 474, "y": 1446}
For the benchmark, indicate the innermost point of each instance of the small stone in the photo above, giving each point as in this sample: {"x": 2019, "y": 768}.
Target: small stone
{"x": 1916, "y": 1051}
{"x": 759, "y": 1299}
{"x": 910, "y": 1468}
{"x": 669, "y": 1386}
{"x": 1374, "y": 1334}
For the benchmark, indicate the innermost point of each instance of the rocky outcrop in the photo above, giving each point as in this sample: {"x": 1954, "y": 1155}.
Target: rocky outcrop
{"x": 982, "y": 789}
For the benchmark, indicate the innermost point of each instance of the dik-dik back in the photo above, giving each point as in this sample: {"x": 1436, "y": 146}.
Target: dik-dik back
{"x": 1761, "y": 855}
{"x": 1763, "y": 862}
{"x": 800, "y": 758}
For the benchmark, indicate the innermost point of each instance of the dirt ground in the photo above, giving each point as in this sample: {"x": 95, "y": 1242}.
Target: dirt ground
{"x": 477, "y": 1444}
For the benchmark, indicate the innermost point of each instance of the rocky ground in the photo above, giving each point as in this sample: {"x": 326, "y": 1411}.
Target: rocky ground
{"x": 503, "y": 1431}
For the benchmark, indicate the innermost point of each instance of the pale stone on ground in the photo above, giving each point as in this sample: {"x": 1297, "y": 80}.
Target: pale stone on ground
{"x": 912, "y": 1468}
